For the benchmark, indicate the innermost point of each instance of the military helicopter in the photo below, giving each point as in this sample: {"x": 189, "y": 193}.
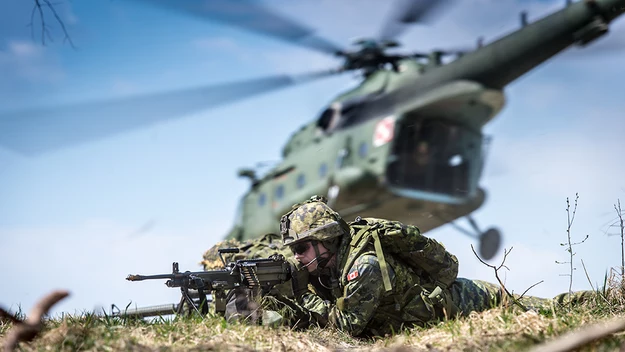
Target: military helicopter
{"x": 405, "y": 144}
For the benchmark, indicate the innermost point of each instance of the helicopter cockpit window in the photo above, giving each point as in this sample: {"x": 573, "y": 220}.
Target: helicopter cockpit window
{"x": 330, "y": 117}
{"x": 435, "y": 155}
{"x": 343, "y": 115}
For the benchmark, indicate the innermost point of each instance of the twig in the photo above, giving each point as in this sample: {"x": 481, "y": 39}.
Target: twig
{"x": 576, "y": 339}
{"x": 531, "y": 287}
{"x": 568, "y": 234}
{"x": 587, "y": 277}
{"x": 622, "y": 226}
{"x": 496, "y": 269}
{"x": 58, "y": 19}
{"x": 569, "y": 244}
{"x": 591, "y": 286}
{"x": 38, "y": 9}
{"x": 28, "y": 329}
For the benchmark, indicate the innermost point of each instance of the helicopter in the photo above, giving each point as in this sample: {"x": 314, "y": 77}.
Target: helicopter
{"x": 405, "y": 144}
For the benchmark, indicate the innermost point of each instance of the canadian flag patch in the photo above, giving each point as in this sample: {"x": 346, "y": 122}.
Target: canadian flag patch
{"x": 352, "y": 275}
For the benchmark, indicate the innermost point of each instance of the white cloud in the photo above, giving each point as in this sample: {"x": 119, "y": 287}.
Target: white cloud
{"x": 91, "y": 260}
{"x": 23, "y": 50}
{"x": 125, "y": 86}
{"x": 29, "y": 61}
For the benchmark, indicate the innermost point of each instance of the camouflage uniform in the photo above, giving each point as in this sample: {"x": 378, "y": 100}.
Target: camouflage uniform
{"x": 359, "y": 304}
{"x": 353, "y": 296}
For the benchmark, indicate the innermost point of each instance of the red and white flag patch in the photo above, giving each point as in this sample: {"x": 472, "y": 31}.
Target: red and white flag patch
{"x": 352, "y": 275}
{"x": 384, "y": 131}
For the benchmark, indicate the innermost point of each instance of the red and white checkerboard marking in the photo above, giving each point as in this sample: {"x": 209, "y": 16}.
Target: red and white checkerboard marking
{"x": 384, "y": 131}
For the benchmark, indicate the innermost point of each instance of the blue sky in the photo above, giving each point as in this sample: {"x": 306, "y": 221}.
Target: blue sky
{"x": 83, "y": 218}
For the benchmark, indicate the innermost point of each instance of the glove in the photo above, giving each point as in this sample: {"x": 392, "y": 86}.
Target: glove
{"x": 299, "y": 279}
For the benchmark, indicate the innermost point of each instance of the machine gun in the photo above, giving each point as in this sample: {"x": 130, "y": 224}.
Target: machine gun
{"x": 260, "y": 275}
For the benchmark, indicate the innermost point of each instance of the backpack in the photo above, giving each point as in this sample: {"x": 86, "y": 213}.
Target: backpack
{"x": 427, "y": 257}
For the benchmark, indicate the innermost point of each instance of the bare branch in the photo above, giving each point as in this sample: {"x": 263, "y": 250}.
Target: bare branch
{"x": 58, "y": 19}
{"x": 587, "y": 277}
{"x": 622, "y": 226}
{"x": 569, "y": 243}
{"x": 576, "y": 339}
{"x": 496, "y": 269}
{"x": 38, "y": 8}
{"x": 580, "y": 242}
{"x": 531, "y": 287}
{"x": 27, "y": 330}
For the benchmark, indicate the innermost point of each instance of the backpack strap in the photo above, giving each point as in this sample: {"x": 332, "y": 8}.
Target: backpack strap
{"x": 386, "y": 278}
{"x": 359, "y": 244}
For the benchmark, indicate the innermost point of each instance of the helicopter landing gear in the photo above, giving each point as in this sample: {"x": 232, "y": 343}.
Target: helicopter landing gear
{"x": 490, "y": 240}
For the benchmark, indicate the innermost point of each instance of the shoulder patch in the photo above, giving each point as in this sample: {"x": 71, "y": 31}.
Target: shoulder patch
{"x": 354, "y": 274}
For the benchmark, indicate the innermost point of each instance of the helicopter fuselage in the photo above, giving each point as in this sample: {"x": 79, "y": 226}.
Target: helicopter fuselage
{"x": 372, "y": 158}
{"x": 408, "y": 145}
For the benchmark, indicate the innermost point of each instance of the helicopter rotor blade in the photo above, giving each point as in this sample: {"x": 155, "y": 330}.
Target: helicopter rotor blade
{"x": 32, "y": 132}
{"x": 254, "y": 17}
{"x": 406, "y": 12}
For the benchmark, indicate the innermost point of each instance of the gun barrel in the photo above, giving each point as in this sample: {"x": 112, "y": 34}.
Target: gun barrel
{"x": 148, "y": 277}
{"x": 150, "y": 311}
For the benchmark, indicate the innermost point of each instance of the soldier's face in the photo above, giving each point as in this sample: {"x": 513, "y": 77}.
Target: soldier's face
{"x": 305, "y": 254}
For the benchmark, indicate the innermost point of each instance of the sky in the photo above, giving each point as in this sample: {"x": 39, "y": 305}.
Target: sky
{"x": 83, "y": 218}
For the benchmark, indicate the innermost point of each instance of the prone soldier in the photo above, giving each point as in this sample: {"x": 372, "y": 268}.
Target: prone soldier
{"x": 371, "y": 276}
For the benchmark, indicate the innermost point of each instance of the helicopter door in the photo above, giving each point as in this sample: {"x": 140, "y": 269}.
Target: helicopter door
{"x": 436, "y": 156}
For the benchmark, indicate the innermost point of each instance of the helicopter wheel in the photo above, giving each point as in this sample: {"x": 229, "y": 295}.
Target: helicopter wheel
{"x": 489, "y": 243}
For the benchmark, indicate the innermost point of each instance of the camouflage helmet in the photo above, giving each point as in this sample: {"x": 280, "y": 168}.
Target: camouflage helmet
{"x": 311, "y": 220}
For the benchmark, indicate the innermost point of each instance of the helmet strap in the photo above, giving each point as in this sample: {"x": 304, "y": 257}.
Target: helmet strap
{"x": 321, "y": 259}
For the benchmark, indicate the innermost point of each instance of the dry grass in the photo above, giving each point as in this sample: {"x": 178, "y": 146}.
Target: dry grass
{"x": 499, "y": 329}
{"x": 494, "y": 330}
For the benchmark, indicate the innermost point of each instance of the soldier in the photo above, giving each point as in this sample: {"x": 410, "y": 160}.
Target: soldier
{"x": 342, "y": 281}
{"x": 363, "y": 280}
{"x": 243, "y": 303}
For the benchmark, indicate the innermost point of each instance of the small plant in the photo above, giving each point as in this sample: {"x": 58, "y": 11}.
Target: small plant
{"x": 569, "y": 244}
{"x": 619, "y": 223}
{"x": 508, "y": 295}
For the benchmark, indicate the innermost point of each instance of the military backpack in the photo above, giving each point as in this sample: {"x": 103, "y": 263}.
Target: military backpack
{"x": 426, "y": 256}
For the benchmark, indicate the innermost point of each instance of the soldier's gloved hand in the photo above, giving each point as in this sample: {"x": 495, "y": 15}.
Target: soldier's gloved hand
{"x": 299, "y": 279}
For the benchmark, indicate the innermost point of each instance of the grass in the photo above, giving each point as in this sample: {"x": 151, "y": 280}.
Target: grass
{"x": 498, "y": 329}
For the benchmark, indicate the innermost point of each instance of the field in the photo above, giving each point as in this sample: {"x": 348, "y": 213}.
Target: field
{"x": 595, "y": 323}
{"x": 498, "y": 329}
